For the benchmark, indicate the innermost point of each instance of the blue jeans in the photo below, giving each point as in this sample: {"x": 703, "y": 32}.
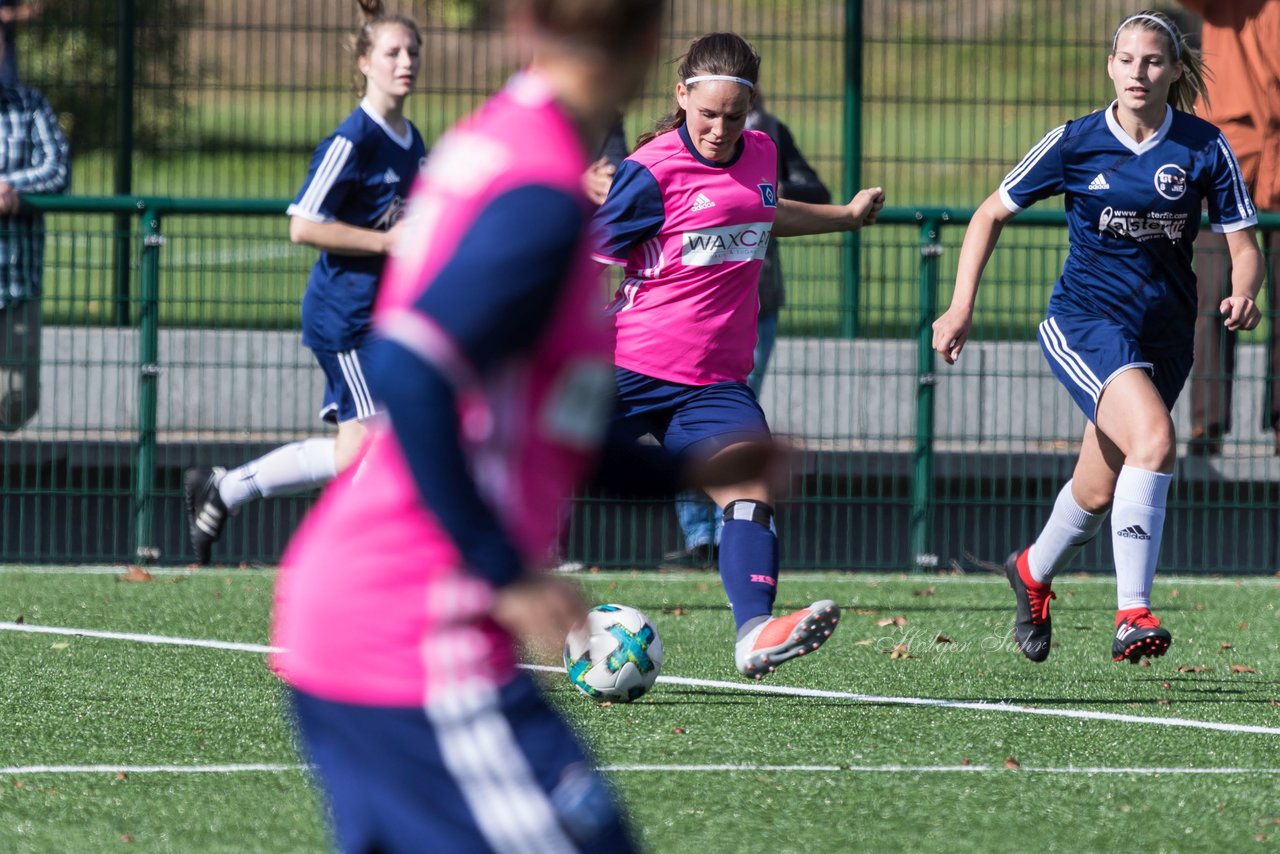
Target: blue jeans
{"x": 700, "y": 519}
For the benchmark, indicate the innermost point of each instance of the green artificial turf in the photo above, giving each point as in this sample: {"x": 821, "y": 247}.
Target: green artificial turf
{"x": 858, "y": 767}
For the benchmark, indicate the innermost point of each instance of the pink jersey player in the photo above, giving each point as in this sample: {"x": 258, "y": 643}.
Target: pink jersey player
{"x": 399, "y": 595}
{"x": 689, "y": 218}
{"x": 686, "y": 310}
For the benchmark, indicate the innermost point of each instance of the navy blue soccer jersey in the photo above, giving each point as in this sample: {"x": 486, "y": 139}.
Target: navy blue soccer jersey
{"x": 1133, "y": 211}
{"x": 360, "y": 175}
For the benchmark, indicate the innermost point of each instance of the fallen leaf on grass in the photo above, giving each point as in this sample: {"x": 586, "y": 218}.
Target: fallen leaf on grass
{"x": 678, "y": 730}
{"x": 1011, "y": 763}
{"x": 1224, "y": 645}
{"x": 124, "y": 837}
{"x": 900, "y": 651}
{"x": 867, "y": 642}
{"x": 1244, "y": 626}
{"x": 1199, "y": 668}
{"x": 966, "y": 761}
{"x": 892, "y": 621}
{"x": 1163, "y": 701}
{"x": 1173, "y": 594}
{"x": 120, "y": 775}
{"x": 928, "y": 591}
{"x": 1144, "y": 663}
{"x": 678, "y": 611}
{"x": 1165, "y": 685}
{"x": 942, "y": 639}
{"x": 1242, "y": 668}
{"x": 134, "y": 573}
{"x": 1275, "y": 703}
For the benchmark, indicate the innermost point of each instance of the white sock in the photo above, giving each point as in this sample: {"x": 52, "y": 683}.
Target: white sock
{"x": 1137, "y": 524}
{"x": 295, "y": 467}
{"x": 1066, "y": 532}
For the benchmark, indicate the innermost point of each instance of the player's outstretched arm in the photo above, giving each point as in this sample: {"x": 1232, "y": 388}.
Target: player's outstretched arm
{"x": 797, "y": 218}
{"x": 951, "y": 330}
{"x": 1240, "y": 310}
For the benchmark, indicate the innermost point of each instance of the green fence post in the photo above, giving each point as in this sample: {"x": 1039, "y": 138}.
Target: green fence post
{"x": 926, "y": 379}
{"x": 148, "y": 381}
{"x": 126, "y": 36}
{"x": 851, "y": 256}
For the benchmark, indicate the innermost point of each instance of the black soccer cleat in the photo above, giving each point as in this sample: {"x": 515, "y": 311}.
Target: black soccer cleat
{"x": 206, "y": 514}
{"x": 1032, "y": 628}
{"x": 1140, "y": 634}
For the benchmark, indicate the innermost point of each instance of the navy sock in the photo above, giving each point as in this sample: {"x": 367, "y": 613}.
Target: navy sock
{"x": 749, "y": 568}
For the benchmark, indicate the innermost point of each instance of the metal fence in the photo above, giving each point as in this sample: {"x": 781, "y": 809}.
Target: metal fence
{"x": 900, "y": 462}
{"x": 163, "y": 353}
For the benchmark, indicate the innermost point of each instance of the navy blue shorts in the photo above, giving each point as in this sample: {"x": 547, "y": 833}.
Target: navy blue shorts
{"x": 497, "y": 771}
{"x": 1087, "y": 352}
{"x": 688, "y": 419}
{"x": 346, "y": 394}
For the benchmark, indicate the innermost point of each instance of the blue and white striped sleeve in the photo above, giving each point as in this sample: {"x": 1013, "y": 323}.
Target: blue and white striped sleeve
{"x": 334, "y": 169}
{"x": 47, "y": 165}
{"x": 632, "y": 213}
{"x": 1037, "y": 176}
{"x": 1230, "y": 205}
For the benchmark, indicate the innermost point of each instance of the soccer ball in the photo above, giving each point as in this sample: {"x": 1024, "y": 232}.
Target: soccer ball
{"x": 614, "y": 655}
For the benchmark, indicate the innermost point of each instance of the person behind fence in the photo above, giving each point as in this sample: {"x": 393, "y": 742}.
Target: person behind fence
{"x": 401, "y": 595}
{"x": 12, "y": 13}
{"x": 34, "y": 159}
{"x": 689, "y": 218}
{"x": 348, "y": 208}
{"x": 1241, "y": 45}
{"x": 700, "y": 519}
{"x": 1121, "y": 317}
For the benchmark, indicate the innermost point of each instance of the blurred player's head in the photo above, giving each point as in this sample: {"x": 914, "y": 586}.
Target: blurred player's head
{"x": 1151, "y": 63}
{"x": 597, "y": 51}
{"x": 714, "y": 94}
{"x": 387, "y": 51}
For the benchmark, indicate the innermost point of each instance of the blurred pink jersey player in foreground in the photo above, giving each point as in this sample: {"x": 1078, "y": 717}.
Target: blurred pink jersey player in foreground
{"x": 404, "y": 592}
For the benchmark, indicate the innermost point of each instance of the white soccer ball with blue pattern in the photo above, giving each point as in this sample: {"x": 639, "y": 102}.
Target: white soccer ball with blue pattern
{"x": 615, "y": 655}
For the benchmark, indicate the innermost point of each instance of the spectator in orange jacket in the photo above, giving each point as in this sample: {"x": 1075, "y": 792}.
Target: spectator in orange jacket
{"x": 1241, "y": 47}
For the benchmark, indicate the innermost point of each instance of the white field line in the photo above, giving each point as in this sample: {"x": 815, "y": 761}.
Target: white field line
{"x": 136, "y": 638}
{"x": 11, "y": 569}
{"x": 660, "y": 577}
{"x": 231, "y": 768}
{"x": 753, "y": 687}
{"x": 789, "y": 691}
{"x": 243, "y": 768}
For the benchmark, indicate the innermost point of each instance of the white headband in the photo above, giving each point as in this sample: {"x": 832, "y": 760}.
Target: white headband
{"x": 1173, "y": 36}
{"x": 731, "y": 79}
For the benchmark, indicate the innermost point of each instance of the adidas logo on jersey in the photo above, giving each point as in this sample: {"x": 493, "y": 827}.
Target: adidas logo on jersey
{"x": 390, "y": 177}
{"x": 1134, "y": 532}
{"x": 702, "y": 203}
{"x": 1099, "y": 183}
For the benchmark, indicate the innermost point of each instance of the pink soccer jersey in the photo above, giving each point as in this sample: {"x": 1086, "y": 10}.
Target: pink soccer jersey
{"x": 373, "y": 605}
{"x": 691, "y": 235}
